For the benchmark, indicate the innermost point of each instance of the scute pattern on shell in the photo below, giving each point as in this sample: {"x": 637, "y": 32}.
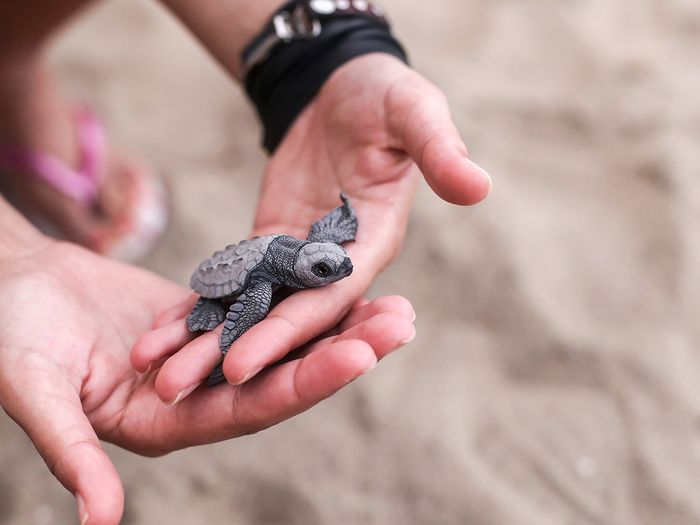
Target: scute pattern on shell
{"x": 227, "y": 271}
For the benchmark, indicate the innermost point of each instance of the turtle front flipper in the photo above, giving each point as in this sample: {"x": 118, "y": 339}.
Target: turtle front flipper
{"x": 250, "y": 308}
{"x": 206, "y": 315}
{"x": 339, "y": 226}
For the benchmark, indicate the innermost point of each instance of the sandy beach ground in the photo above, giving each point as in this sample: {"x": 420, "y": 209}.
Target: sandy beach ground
{"x": 555, "y": 378}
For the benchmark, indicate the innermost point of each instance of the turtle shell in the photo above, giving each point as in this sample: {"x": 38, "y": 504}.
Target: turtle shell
{"x": 227, "y": 272}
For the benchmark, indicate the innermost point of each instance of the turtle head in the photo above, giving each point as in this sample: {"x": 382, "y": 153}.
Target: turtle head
{"x": 321, "y": 263}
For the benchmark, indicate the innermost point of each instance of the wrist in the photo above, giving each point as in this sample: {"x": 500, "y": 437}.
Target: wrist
{"x": 225, "y": 28}
{"x": 372, "y": 70}
{"x": 17, "y": 236}
{"x": 300, "y": 48}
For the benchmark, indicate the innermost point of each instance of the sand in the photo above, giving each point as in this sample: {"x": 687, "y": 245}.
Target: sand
{"x": 555, "y": 378}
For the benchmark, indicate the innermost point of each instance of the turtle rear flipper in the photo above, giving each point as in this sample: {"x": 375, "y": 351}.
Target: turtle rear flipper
{"x": 216, "y": 376}
{"x": 339, "y": 226}
{"x": 206, "y": 315}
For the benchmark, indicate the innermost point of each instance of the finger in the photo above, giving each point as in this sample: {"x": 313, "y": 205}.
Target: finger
{"x": 418, "y": 116}
{"x": 179, "y": 311}
{"x": 385, "y": 327}
{"x": 50, "y": 412}
{"x": 186, "y": 370}
{"x": 278, "y": 394}
{"x": 291, "y": 324}
{"x": 387, "y": 304}
{"x": 360, "y": 303}
{"x": 154, "y": 346}
{"x": 287, "y": 329}
{"x": 384, "y": 332}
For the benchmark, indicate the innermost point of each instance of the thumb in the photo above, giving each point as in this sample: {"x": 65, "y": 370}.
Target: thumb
{"x": 418, "y": 116}
{"x": 49, "y": 410}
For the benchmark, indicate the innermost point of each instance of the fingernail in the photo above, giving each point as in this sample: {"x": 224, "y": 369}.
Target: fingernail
{"x": 370, "y": 368}
{"x": 409, "y": 339}
{"x": 82, "y": 510}
{"x": 413, "y": 317}
{"x": 248, "y": 376}
{"x": 478, "y": 168}
{"x": 475, "y": 167}
{"x": 182, "y": 394}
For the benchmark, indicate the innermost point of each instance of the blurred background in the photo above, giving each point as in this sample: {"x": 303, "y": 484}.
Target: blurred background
{"x": 555, "y": 378}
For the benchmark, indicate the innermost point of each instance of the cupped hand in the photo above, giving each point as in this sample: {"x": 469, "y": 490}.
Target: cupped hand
{"x": 68, "y": 320}
{"x": 375, "y": 124}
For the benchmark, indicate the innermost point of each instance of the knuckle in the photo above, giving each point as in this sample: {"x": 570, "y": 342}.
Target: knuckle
{"x": 237, "y": 423}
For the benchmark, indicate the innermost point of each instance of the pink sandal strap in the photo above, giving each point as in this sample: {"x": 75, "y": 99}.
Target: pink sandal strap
{"x": 81, "y": 185}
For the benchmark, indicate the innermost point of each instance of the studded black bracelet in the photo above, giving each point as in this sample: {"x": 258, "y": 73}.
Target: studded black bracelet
{"x": 282, "y": 82}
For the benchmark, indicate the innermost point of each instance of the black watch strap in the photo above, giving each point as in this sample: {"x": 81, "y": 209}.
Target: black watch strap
{"x": 303, "y": 20}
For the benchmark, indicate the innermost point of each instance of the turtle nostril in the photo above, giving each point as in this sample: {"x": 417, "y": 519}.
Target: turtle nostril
{"x": 346, "y": 266}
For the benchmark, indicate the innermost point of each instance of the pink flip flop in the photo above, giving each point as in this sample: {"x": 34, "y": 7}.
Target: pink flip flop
{"x": 149, "y": 217}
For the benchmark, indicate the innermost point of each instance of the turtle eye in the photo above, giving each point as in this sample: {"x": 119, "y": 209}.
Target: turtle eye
{"x": 322, "y": 270}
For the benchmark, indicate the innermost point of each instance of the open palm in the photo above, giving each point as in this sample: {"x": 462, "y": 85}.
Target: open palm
{"x": 69, "y": 319}
{"x": 374, "y": 121}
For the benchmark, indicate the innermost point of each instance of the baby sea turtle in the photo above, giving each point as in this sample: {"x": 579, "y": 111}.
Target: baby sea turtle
{"x": 241, "y": 278}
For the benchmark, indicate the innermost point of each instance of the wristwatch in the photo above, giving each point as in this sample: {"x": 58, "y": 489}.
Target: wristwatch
{"x": 303, "y": 20}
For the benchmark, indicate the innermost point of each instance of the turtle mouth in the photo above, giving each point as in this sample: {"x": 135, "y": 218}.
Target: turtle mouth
{"x": 345, "y": 267}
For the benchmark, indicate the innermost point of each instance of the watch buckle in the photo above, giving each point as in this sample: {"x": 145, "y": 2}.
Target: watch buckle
{"x": 301, "y": 23}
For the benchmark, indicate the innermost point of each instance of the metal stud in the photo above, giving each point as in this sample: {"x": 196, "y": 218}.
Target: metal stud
{"x": 323, "y": 7}
{"x": 360, "y": 5}
{"x": 377, "y": 9}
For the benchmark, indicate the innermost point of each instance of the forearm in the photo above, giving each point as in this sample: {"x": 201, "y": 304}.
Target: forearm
{"x": 224, "y": 26}
{"x": 17, "y": 235}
